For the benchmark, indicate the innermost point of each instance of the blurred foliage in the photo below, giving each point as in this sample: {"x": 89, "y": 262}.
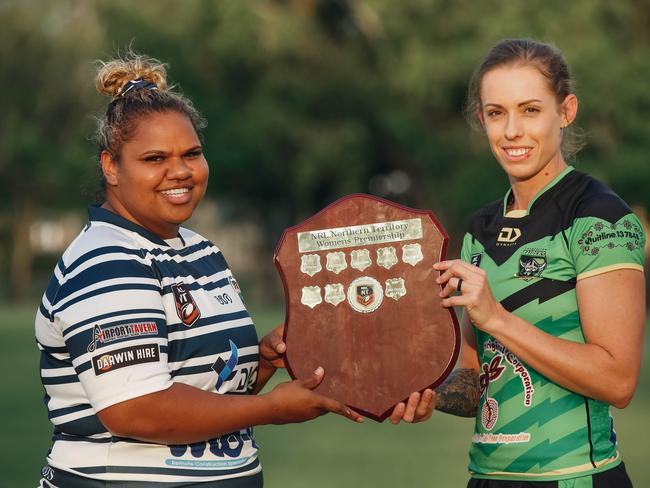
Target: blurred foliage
{"x": 308, "y": 100}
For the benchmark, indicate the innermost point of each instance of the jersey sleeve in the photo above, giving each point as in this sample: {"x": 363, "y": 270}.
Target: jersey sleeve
{"x": 598, "y": 244}
{"x": 110, "y": 313}
{"x": 466, "y": 250}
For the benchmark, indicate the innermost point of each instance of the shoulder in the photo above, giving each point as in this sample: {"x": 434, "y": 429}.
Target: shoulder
{"x": 589, "y": 197}
{"x": 99, "y": 238}
{"x": 485, "y": 215}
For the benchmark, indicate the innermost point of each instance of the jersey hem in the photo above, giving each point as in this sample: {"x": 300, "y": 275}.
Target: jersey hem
{"x": 606, "y": 269}
{"x": 605, "y": 465}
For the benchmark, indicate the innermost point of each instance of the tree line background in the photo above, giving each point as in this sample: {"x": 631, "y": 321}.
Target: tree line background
{"x": 307, "y": 100}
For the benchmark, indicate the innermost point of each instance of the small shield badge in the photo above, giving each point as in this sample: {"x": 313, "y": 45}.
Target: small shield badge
{"x": 334, "y": 293}
{"x": 412, "y": 254}
{"x": 360, "y": 259}
{"x": 310, "y": 264}
{"x": 311, "y": 296}
{"x": 395, "y": 288}
{"x": 386, "y": 257}
{"x": 336, "y": 262}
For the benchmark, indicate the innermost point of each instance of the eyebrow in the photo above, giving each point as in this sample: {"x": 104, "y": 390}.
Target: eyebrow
{"x": 161, "y": 151}
{"x": 532, "y": 100}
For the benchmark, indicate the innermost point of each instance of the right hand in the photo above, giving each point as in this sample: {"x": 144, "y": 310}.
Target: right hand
{"x": 294, "y": 401}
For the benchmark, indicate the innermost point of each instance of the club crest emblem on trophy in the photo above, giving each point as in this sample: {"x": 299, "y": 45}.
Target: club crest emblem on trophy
{"x": 365, "y": 294}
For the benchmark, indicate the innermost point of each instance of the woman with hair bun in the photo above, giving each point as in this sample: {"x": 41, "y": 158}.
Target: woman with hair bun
{"x": 149, "y": 359}
{"x": 551, "y": 282}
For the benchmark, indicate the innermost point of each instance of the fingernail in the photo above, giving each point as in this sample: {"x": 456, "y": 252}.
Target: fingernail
{"x": 319, "y": 371}
{"x": 360, "y": 420}
{"x": 281, "y": 347}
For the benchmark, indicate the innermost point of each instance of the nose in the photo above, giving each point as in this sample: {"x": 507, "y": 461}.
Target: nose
{"x": 178, "y": 169}
{"x": 513, "y": 128}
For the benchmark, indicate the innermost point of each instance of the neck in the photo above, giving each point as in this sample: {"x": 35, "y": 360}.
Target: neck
{"x": 525, "y": 190}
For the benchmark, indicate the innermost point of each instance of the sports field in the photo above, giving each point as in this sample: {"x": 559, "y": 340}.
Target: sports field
{"x": 329, "y": 452}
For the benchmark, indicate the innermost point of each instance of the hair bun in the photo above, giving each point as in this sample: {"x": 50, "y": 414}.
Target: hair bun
{"x": 114, "y": 74}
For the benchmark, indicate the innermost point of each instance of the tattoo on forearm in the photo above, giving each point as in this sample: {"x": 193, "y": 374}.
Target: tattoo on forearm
{"x": 459, "y": 394}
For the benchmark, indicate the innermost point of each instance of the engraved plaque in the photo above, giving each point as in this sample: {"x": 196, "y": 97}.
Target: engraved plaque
{"x": 381, "y": 332}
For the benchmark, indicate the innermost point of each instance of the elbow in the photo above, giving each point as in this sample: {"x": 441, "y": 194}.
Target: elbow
{"x": 621, "y": 395}
{"x": 622, "y": 401}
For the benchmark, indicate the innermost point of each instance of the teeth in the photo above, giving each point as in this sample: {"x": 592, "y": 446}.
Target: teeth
{"x": 517, "y": 152}
{"x": 175, "y": 191}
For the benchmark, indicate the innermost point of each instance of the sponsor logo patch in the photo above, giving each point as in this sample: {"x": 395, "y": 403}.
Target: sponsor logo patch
{"x": 186, "y": 307}
{"x": 476, "y": 259}
{"x": 508, "y": 236}
{"x": 605, "y": 236}
{"x": 226, "y": 369}
{"x": 127, "y": 356}
{"x": 106, "y": 335}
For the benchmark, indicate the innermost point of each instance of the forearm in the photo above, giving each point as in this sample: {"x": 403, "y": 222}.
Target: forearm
{"x": 459, "y": 394}
{"x": 572, "y": 365}
{"x": 183, "y": 414}
{"x": 264, "y": 373}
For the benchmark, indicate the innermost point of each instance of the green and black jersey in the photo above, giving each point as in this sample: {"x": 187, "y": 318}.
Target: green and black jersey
{"x": 527, "y": 427}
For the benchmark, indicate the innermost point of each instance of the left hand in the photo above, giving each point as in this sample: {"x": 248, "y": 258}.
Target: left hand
{"x": 475, "y": 295}
{"x": 272, "y": 347}
{"x": 418, "y": 408}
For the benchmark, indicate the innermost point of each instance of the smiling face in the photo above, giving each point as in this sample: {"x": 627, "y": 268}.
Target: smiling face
{"x": 523, "y": 121}
{"x": 161, "y": 175}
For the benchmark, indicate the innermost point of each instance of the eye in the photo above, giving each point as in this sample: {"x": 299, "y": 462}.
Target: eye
{"x": 197, "y": 153}
{"x": 154, "y": 158}
{"x": 493, "y": 113}
{"x": 531, "y": 110}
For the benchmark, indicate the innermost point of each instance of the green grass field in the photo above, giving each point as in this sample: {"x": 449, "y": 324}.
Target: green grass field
{"x": 329, "y": 452}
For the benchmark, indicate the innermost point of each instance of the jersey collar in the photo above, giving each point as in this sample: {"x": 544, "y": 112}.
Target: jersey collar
{"x": 550, "y": 185}
{"x": 98, "y": 214}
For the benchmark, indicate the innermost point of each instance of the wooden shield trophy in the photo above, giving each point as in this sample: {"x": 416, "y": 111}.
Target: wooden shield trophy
{"x": 362, "y": 302}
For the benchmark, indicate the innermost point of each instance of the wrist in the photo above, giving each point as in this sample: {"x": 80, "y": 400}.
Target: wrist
{"x": 497, "y": 321}
{"x": 272, "y": 408}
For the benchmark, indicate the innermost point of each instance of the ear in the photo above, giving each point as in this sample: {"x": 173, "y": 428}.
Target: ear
{"x": 109, "y": 168}
{"x": 569, "y": 110}
{"x": 479, "y": 115}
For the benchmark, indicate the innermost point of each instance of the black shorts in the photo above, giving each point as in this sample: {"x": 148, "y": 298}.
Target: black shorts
{"x": 612, "y": 478}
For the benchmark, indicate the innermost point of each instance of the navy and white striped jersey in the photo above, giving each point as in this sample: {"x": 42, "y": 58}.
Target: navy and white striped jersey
{"x": 126, "y": 314}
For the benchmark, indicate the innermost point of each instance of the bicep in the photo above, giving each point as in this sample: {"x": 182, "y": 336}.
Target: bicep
{"x": 612, "y": 314}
